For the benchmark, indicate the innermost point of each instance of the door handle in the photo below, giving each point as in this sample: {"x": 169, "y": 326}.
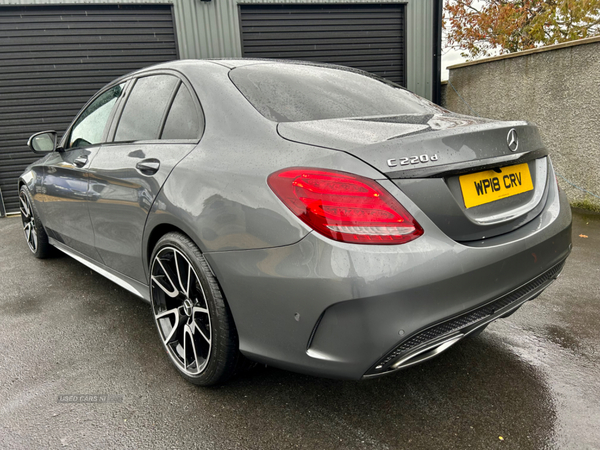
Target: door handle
{"x": 148, "y": 167}
{"x": 81, "y": 161}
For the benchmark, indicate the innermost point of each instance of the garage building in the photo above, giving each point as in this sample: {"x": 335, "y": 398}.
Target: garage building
{"x": 55, "y": 54}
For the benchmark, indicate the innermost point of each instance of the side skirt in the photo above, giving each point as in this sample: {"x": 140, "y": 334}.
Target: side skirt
{"x": 133, "y": 286}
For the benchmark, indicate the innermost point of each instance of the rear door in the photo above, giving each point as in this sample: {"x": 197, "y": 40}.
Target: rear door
{"x": 65, "y": 186}
{"x": 160, "y": 123}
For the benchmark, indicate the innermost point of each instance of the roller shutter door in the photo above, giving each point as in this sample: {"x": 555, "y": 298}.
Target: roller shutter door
{"x": 365, "y": 36}
{"x": 54, "y": 58}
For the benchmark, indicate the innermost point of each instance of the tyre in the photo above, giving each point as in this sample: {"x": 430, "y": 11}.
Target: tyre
{"x": 193, "y": 320}
{"x": 35, "y": 235}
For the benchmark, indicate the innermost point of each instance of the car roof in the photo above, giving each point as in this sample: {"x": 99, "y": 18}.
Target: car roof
{"x": 184, "y": 65}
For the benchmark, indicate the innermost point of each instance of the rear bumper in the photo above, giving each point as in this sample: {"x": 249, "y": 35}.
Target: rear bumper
{"x": 340, "y": 310}
{"x": 432, "y": 341}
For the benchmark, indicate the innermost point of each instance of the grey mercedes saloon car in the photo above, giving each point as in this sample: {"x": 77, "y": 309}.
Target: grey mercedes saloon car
{"x": 306, "y": 216}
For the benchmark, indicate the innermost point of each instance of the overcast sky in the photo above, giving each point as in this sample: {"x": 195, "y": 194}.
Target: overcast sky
{"x": 449, "y": 58}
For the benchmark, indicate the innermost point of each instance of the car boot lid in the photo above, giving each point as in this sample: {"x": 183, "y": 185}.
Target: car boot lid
{"x": 421, "y": 146}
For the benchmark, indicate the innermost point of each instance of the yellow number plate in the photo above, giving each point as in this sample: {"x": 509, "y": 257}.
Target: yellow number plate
{"x": 484, "y": 187}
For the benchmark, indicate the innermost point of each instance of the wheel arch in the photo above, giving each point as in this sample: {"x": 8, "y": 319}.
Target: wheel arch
{"x": 157, "y": 227}
{"x": 158, "y": 232}
{"x": 28, "y": 178}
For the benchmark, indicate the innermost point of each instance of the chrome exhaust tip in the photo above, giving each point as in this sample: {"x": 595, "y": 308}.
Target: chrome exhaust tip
{"x": 427, "y": 352}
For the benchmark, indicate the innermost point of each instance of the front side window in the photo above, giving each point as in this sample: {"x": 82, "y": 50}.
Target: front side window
{"x": 142, "y": 116}
{"x": 92, "y": 123}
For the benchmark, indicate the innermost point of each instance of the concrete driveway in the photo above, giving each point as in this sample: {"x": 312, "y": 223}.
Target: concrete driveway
{"x": 531, "y": 381}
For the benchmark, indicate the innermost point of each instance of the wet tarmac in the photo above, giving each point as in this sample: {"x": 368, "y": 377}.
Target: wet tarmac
{"x": 531, "y": 381}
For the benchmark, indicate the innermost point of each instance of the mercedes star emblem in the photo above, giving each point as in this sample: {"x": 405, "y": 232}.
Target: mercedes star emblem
{"x": 512, "y": 140}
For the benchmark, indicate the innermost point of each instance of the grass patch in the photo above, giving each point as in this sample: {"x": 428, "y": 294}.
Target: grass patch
{"x": 587, "y": 204}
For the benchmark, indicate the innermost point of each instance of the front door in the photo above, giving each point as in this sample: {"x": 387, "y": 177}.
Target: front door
{"x": 64, "y": 194}
{"x": 65, "y": 187}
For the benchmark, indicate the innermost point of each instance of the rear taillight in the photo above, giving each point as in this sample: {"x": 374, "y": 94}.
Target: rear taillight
{"x": 344, "y": 207}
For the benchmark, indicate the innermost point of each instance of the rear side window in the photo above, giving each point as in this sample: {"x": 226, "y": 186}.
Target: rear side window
{"x": 145, "y": 108}
{"x": 183, "y": 121}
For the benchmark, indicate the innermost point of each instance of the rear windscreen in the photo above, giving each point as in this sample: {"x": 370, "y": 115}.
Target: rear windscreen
{"x": 297, "y": 93}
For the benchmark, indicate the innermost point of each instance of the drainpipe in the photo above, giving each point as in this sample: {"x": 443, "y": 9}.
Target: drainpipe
{"x": 436, "y": 89}
{"x": 2, "y": 210}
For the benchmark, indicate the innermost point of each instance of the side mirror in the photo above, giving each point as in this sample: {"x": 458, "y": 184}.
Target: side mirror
{"x": 43, "y": 142}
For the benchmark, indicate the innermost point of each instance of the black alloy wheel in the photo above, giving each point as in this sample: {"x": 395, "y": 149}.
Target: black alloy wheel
{"x": 35, "y": 235}
{"x": 192, "y": 317}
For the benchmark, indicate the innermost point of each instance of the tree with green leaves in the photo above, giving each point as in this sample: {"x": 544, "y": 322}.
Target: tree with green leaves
{"x": 483, "y": 27}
